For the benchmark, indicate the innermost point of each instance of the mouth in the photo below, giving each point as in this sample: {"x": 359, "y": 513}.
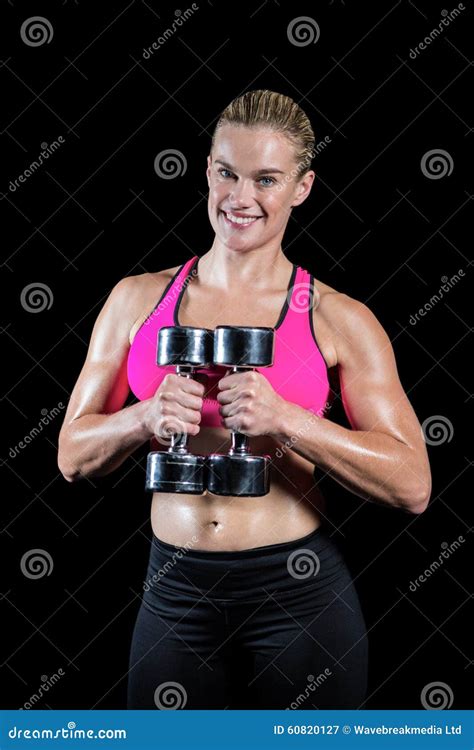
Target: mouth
{"x": 239, "y": 222}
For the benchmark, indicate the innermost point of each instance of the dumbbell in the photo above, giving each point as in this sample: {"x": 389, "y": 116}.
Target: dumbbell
{"x": 177, "y": 470}
{"x": 238, "y": 472}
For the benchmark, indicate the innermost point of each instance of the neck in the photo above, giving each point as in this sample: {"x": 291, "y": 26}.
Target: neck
{"x": 258, "y": 268}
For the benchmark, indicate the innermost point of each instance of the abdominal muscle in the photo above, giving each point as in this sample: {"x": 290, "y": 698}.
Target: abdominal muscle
{"x": 215, "y": 522}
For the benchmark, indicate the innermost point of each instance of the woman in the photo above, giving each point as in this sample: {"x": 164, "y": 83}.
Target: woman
{"x": 248, "y": 602}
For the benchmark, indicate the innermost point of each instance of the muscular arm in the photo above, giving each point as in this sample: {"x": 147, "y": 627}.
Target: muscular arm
{"x": 97, "y": 435}
{"x": 383, "y": 458}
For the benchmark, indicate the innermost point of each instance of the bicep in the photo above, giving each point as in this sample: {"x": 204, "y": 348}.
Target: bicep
{"x": 371, "y": 391}
{"x": 102, "y": 385}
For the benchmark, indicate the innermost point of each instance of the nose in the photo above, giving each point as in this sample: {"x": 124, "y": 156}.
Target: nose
{"x": 242, "y": 194}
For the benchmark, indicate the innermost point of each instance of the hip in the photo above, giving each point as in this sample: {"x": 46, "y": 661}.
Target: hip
{"x": 311, "y": 566}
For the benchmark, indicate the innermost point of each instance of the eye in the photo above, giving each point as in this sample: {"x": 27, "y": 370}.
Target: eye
{"x": 268, "y": 178}
{"x": 223, "y": 169}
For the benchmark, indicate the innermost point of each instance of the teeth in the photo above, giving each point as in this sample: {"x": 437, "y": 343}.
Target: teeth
{"x": 240, "y": 219}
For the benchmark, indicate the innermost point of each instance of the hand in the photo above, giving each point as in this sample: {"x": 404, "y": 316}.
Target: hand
{"x": 249, "y": 404}
{"x": 176, "y": 407}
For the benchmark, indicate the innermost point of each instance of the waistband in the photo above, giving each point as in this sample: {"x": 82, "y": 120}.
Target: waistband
{"x": 267, "y": 549}
{"x": 313, "y": 560}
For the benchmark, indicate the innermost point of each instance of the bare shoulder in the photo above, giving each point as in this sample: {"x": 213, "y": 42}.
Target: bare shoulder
{"x": 349, "y": 324}
{"x": 142, "y": 292}
{"x": 142, "y": 282}
{"x": 131, "y": 292}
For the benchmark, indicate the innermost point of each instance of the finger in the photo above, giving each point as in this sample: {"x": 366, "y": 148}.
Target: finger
{"x": 226, "y": 397}
{"x": 173, "y": 425}
{"x": 229, "y": 381}
{"x": 189, "y": 401}
{"x": 191, "y": 386}
{"x": 191, "y": 416}
{"x": 236, "y": 407}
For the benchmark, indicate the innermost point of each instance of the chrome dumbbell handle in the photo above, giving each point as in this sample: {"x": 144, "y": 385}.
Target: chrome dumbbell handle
{"x": 239, "y": 442}
{"x": 179, "y": 442}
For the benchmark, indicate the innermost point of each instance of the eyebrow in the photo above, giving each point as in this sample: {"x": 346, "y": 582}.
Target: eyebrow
{"x": 258, "y": 171}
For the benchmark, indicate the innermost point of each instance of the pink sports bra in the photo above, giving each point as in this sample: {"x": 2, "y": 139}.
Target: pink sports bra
{"x": 299, "y": 371}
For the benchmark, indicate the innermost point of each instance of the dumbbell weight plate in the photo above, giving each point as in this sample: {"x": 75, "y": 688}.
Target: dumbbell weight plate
{"x": 175, "y": 472}
{"x": 243, "y": 346}
{"x": 185, "y": 345}
{"x": 241, "y": 476}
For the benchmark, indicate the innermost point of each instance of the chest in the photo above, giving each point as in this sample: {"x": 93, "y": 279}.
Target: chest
{"x": 206, "y": 310}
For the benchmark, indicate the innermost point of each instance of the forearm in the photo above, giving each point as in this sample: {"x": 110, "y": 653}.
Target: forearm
{"x": 371, "y": 464}
{"x": 96, "y": 444}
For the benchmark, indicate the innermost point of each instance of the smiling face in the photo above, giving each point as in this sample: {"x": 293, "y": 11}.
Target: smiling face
{"x": 252, "y": 182}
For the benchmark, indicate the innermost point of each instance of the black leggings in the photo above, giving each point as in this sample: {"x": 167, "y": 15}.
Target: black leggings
{"x": 271, "y": 627}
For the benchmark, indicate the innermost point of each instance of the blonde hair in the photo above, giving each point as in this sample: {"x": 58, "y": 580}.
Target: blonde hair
{"x": 278, "y": 113}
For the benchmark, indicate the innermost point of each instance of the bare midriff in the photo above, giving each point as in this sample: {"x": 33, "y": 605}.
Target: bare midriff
{"x": 215, "y": 522}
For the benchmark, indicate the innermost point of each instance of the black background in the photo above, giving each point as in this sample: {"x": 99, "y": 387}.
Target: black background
{"x": 375, "y": 226}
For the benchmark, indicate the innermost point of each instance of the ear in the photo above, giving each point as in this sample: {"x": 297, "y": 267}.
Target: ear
{"x": 208, "y": 170}
{"x": 303, "y": 188}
